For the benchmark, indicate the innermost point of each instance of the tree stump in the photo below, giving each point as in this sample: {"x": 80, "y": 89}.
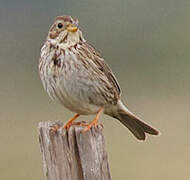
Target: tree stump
{"x": 72, "y": 154}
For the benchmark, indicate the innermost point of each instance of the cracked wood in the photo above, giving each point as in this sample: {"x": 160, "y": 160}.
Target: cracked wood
{"x": 72, "y": 154}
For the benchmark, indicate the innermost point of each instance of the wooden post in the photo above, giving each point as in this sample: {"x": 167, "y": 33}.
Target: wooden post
{"x": 72, "y": 154}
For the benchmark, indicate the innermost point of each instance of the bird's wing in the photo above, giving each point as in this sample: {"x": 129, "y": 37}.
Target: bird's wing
{"x": 103, "y": 67}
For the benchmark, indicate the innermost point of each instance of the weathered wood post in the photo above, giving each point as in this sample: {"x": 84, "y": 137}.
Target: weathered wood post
{"x": 72, "y": 154}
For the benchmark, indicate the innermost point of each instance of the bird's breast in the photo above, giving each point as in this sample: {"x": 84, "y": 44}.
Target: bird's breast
{"x": 66, "y": 80}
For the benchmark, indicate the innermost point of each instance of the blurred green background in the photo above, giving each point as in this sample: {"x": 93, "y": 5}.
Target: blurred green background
{"x": 145, "y": 42}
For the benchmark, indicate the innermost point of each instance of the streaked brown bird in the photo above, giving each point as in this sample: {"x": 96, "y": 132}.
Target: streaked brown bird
{"x": 73, "y": 72}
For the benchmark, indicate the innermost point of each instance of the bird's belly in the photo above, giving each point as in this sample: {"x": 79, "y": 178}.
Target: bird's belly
{"x": 70, "y": 95}
{"x": 78, "y": 106}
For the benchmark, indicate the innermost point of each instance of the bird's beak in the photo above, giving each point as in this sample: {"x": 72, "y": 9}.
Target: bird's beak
{"x": 72, "y": 28}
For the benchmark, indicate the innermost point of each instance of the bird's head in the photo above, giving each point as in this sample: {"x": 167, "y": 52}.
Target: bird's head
{"x": 65, "y": 30}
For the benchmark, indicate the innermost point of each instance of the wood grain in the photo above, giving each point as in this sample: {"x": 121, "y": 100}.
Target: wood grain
{"x": 73, "y": 154}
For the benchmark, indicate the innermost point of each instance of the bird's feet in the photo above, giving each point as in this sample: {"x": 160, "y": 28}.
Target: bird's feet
{"x": 68, "y": 125}
{"x": 95, "y": 121}
{"x": 83, "y": 124}
{"x": 70, "y": 122}
{"x": 54, "y": 128}
{"x": 88, "y": 126}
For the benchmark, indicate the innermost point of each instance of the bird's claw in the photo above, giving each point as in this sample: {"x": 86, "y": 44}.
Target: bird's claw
{"x": 89, "y": 126}
{"x": 68, "y": 125}
{"x": 54, "y": 128}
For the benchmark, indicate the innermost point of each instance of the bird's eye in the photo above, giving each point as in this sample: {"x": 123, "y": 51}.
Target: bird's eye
{"x": 60, "y": 25}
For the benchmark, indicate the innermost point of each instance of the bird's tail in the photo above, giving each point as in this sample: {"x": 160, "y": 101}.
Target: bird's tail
{"x": 133, "y": 123}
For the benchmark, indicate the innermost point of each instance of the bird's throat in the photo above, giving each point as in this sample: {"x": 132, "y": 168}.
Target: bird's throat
{"x": 69, "y": 39}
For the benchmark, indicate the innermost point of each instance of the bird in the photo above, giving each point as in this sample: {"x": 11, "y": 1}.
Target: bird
{"x": 75, "y": 74}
